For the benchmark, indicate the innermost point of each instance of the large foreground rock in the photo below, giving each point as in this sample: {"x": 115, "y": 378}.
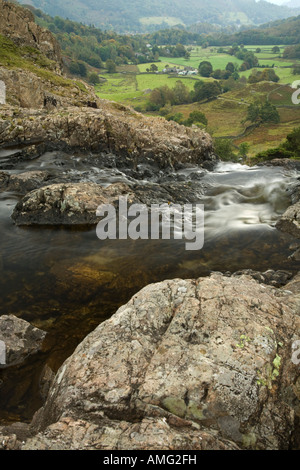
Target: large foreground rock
{"x": 185, "y": 364}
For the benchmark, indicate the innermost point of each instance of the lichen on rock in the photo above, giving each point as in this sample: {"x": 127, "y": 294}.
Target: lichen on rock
{"x": 170, "y": 358}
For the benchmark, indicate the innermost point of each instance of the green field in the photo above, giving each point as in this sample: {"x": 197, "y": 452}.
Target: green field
{"x": 220, "y": 60}
{"x": 169, "y": 20}
{"x": 133, "y": 89}
{"x": 226, "y": 115}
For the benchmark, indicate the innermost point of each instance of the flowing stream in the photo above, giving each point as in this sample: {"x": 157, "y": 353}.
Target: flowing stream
{"x": 66, "y": 281}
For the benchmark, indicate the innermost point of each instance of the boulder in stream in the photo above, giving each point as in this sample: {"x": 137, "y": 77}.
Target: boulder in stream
{"x": 67, "y": 204}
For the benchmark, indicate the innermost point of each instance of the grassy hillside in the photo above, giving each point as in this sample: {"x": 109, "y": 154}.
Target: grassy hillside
{"x": 30, "y": 59}
{"x": 286, "y": 31}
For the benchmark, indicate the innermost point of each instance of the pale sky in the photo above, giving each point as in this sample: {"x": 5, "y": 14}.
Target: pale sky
{"x": 278, "y": 2}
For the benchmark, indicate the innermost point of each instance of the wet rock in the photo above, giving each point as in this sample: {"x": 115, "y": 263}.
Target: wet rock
{"x": 76, "y": 203}
{"x": 194, "y": 364}
{"x": 29, "y": 152}
{"x": 173, "y": 192}
{"x": 294, "y": 284}
{"x": 68, "y": 204}
{"x": 289, "y": 222}
{"x": 14, "y": 435}
{"x": 270, "y": 277}
{"x": 4, "y": 179}
{"x": 284, "y": 162}
{"x": 27, "y": 181}
{"x": 20, "y": 340}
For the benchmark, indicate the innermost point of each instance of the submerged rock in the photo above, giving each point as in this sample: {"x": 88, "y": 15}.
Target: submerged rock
{"x": 185, "y": 364}
{"x": 20, "y": 339}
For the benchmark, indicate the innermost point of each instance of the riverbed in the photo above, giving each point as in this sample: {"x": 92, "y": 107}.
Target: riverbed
{"x": 66, "y": 281}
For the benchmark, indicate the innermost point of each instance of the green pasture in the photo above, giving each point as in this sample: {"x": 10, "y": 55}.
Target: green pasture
{"x": 160, "y": 65}
{"x": 218, "y": 61}
{"x": 130, "y": 88}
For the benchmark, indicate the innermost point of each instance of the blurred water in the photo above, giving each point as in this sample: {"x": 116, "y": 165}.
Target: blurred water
{"x": 66, "y": 281}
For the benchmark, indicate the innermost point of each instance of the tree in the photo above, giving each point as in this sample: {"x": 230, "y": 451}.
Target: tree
{"x": 252, "y": 113}
{"x": 293, "y": 141}
{"x": 177, "y": 117}
{"x": 292, "y": 52}
{"x": 153, "y": 68}
{"x": 205, "y": 68}
{"x": 275, "y": 50}
{"x": 296, "y": 70}
{"x": 269, "y": 113}
{"x": 196, "y": 117}
{"x": 224, "y": 149}
{"x": 244, "y": 149}
{"x": 180, "y": 50}
{"x": 266, "y": 75}
{"x": 111, "y": 66}
{"x": 217, "y": 74}
{"x": 159, "y": 97}
{"x": 230, "y": 67}
{"x": 261, "y": 113}
{"x": 181, "y": 93}
{"x": 270, "y": 76}
{"x": 94, "y": 78}
{"x": 78, "y": 68}
{"x": 206, "y": 90}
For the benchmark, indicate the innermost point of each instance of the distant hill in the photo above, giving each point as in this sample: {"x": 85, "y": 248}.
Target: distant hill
{"x": 285, "y": 31}
{"x": 151, "y": 15}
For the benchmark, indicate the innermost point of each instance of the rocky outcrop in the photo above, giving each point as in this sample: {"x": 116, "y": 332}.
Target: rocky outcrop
{"x": 28, "y": 90}
{"x": 62, "y": 113}
{"x": 20, "y": 338}
{"x": 185, "y": 364}
{"x": 112, "y": 128}
{"x": 17, "y": 23}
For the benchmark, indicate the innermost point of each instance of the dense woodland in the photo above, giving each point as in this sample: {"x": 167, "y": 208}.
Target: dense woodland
{"x": 134, "y": 16}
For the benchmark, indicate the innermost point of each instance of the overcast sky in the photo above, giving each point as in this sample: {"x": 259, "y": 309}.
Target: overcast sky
{"x": 278, "y": 2}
